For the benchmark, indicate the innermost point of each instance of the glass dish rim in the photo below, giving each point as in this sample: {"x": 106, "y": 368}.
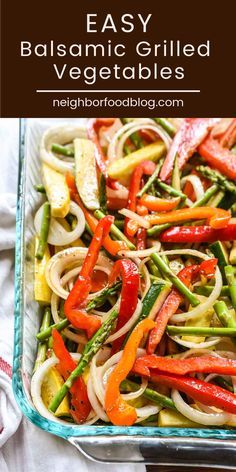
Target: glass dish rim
{"x": 61, "y": 430}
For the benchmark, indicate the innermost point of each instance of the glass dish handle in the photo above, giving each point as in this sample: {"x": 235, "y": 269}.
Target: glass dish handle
{"x": 176, "y": 451}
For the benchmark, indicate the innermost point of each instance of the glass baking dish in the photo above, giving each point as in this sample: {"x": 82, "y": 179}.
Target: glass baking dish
{"x": 152, "y": 445}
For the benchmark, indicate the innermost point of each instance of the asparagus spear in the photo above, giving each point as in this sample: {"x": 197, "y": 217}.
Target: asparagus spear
{"x": 46, "y": 333}
{"x": 134, "y": 137}
{"x": 153, "y": 269}
{"x": 40, "y": 188}
{"x": 227, "y": 318}
{"x": 206, "y": 290}
{"x": 152, "y": 395}
{"x": 233, "y": 208}
{"x": 223, "y": 383}
{"x": 114, "y": 230}
{"x": 166, "y": 125}
{"x": 231, "y": 279}
{"x": 65, "y": 151}
{"x": 170, "y": 190}
{"x": 119, "y": 223}
{"x": 157, "y": 229}
{"x": 91, "y": 348}
{"x": 163, "y": 267}
{"x": 103, "y": 194}
{"x": 218, "y": 178}
{"x": 206, "y": 197}
{"x": 87, "y": 227}
{"x": 200, "y": 331}
{"x": 42, "y": 347}
{"x": 44, "y": 230}
{"x": 151, "y": 179}
{"x": 100, "y": 299}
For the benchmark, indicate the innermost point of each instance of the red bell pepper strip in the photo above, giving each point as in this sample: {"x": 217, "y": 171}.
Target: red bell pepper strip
{"x": 114, "y": 203}
{"x": 228, "y": 139}
{"x": 169, "y": 308}
{"x": 78, "y": 391}
{"x": 218, "y": 157}
{"x": 141, "y": 239}
{"x": 118, "y": 410}
{"x": 76, "y": 299}
{"x": 174, "y": 299}
{"x": 145, "y": 168}
{"x": 128, "y": 271}
{"x": 204, "y": 392}
{"x": 186, "y": 141}
{"x": 93, "y": 127}
{"x": 198, "y": 234}
{"x": 148, "y": 365}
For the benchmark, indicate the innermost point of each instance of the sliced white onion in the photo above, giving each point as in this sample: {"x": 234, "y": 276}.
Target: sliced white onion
{"x": 162, "y": 134}
{"x": 112, "y": 152}
{"x": 64, "y": 259}
{"x": 138, "y": 393}
{"x": 141, "y": 253}
{"x": 115, "y": 149}
{"x": 191, "y": 345}
{"x": 134, "y": 216}
{"x": 36, "y": 385}
{"x": 59, "y": 236}
{"x": 146, "y": 275}
{"x": 127, "y": 325}
{"x": 196, "y": 183}
{"x": 197, "y": 352}
{"x": 192, "y": 414}
{"x": 203, "y": 307}
{"x": 60, "y": 135}
{"x": 95, "y": 403}
{"x": 147, "y": 410}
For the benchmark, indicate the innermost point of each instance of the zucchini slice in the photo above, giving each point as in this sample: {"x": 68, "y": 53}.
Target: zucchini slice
{"x": 173, "y": 419}
{"x": 122, "y": 169}
{"x": 86, "y": 173}
{"x": 57, "y": 191}
{"x": 42, "y": 292}
{"x": 51, "y": 384}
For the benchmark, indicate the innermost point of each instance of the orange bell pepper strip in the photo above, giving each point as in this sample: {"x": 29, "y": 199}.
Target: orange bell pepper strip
{"x": 79, "y": 397}
{"x": 118, "y": 410}
{"x": 76, "y": 299}
{"x": 141, "y": 210}
{"x": 159, "y": 204}
{"x": 113, "y": 247}
{"x": 218, "y": 218}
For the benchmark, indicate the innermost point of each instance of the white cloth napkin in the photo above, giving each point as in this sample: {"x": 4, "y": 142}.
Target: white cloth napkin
{"x": 24, "y": 448}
